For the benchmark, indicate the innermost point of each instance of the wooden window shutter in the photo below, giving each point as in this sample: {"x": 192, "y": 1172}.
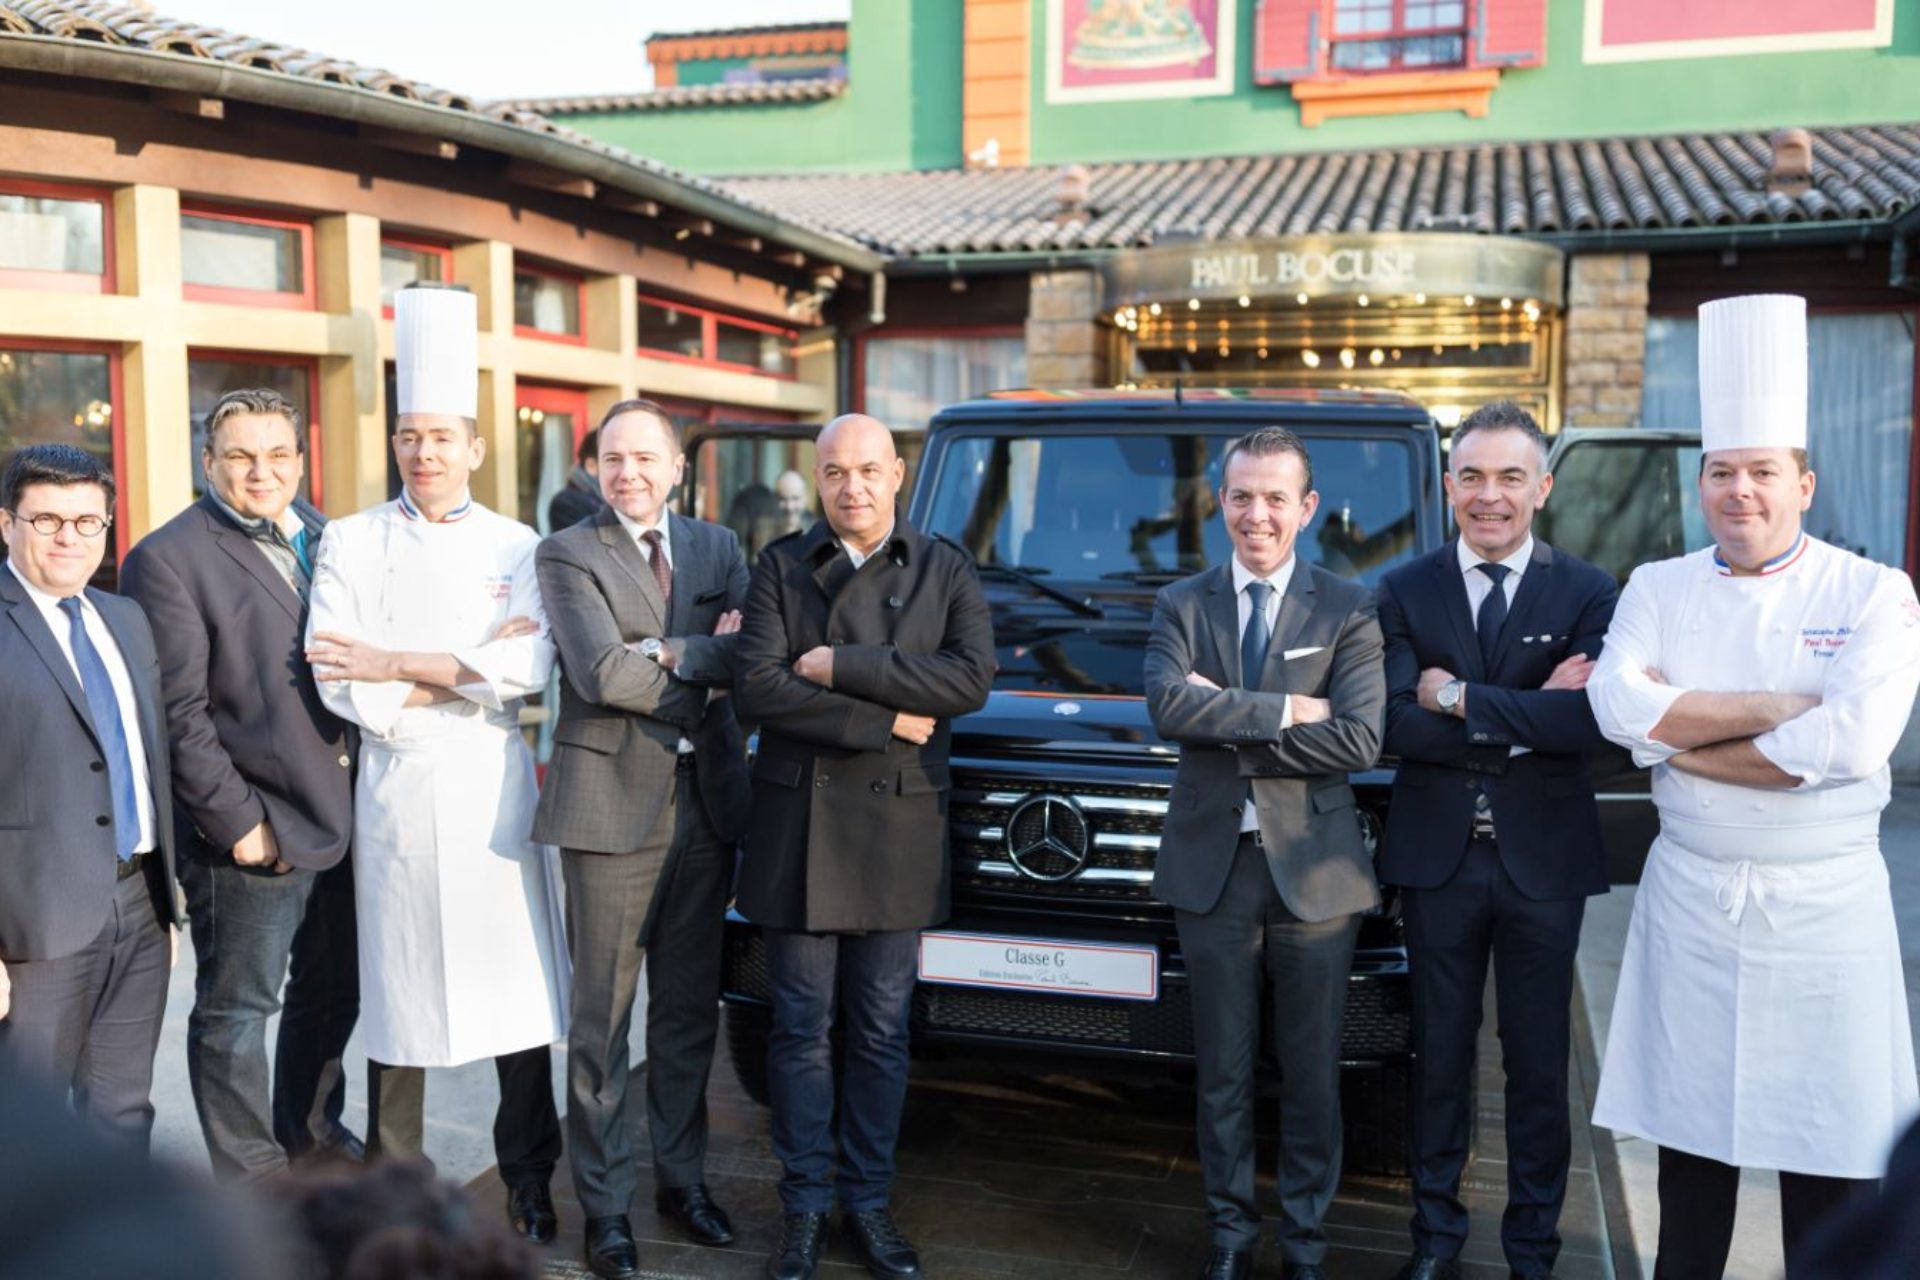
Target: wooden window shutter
{"x": 1507, "y": 33}
{"x": 1289, "y": 40}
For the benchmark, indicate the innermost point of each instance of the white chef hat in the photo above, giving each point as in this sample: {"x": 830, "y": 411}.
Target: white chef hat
{"x": 1753, "y": 373}
{"x": 436, "y": 344}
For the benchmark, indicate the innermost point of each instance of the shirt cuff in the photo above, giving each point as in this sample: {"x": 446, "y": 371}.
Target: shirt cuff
{"x": 1286, "y": 713}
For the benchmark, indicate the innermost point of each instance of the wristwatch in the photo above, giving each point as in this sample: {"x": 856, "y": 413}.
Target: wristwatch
{"x": 650, "y": 648}
{"x": 1448, "y": 697}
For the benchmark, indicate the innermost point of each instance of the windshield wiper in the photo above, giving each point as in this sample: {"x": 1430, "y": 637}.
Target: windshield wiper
{"x": 1020, "y": 573}
{"x": 1150, "y": 576}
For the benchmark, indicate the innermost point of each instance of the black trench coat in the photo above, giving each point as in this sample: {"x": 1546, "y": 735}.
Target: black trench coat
{"x": 849, "y": 825}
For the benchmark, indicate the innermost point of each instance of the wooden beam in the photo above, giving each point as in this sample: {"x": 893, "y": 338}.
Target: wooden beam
{"x": 792, "y": 258}
{"x": 189, "y": 104}
{"x": 628, "y": 203}
{"x": 419, "y": 144}
{"x": 546, "y": 178}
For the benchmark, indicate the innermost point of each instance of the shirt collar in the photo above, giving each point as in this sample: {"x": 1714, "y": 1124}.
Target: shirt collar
{"x": 289, "y": 522}
{"x": 461, "y": 511}
{"x": 638, "y": 531}
{"x": 1278, "y": 579}
{"x": 878, "y": 547}
{"x": 1780, "y": 563}
{"x": 1517, "y": 562}
{"x": 46, "y": 603}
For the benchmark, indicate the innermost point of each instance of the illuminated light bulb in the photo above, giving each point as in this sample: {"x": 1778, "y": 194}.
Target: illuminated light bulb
{"x": 1192, "y": 346}
{"x": 1468, "y": 299}
{"x": 1263, "y": 353}
{"x": 1376, "y": 357}
{"x": 1346, "y": 357}
{"x": 1437, "y": 349}
{"x": 1506, "y": 304}
{"x": 1245, "y": 301}
{"x": 1363, "y": 300}
{"x": 1300, "y": 298}
{"x": 1396, "y": 353}
{"x": 1310, "y": 358}
{"x": 1153, "y": 309}
{"x": 1419, "y": 299}
{"x": 1193, "y": 304}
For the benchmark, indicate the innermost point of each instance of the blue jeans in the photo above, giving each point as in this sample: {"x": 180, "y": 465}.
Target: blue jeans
{"x": 252, "y": 931}
{"x": 869, "y": 977}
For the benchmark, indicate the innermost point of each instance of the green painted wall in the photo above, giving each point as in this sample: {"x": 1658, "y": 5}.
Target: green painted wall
{"x": 1566, "y": 98}
{"x": 901, "y": 109}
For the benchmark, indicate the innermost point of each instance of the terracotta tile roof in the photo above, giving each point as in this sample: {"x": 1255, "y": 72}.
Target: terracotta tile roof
{"x": 139, "y": 31}
{"x": 1582, "y": 186}
{"x": 691, "y": 95}
{"x": 767, "y": 29}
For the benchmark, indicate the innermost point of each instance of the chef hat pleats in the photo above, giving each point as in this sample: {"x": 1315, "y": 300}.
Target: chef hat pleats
{"x": 436, "y": 338}
{"x": 1753, "y": 373}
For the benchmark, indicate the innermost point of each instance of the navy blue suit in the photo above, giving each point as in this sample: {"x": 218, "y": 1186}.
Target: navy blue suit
{"x": 1516, "y": 899}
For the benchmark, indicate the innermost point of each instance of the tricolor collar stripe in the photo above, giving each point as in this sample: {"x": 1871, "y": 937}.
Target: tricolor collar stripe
{"x": 1780, "y": 562}
{"x": 412, "y": 512}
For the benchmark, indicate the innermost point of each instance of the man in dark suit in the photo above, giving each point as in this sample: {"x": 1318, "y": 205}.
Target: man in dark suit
{"x": 581, "y": 497}
{"x": 1493, "y": 831}
{"x": 1267, "y": 672}
{"x": 87, "y": 910}
{"x": 863, "y": 638}
{"x": 263, "y": 792}
{"x": 645, "y": 796}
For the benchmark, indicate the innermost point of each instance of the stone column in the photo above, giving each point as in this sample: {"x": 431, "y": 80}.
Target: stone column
{"x": 1066, "y": 341}
{"x": 1606, "y": 342}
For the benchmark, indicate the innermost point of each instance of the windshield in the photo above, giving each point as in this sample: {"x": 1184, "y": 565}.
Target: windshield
{"x": 1624, "y": 503}
{"x": 1146, "y": 508}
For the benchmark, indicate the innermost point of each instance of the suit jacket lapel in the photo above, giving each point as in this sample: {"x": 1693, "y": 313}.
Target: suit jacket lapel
{"x": 1296, "y": 606}
{"x": 689, "y": 572}
{"x": 1526, "y": 600}
{"x": 1451, "y": 585}
{"x": 251, "y": 559}
{"x": 27, "y": 616}
{"x": 1223, "y": 620}
{"x": 627, "y": 554}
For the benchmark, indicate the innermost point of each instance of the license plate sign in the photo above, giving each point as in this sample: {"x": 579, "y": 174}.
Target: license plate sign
{"x": 1040, "y": 964}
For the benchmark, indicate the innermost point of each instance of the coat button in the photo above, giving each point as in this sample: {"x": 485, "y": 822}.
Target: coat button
{"x": 822, "y": 780}
{"x": 877, "y": 787}
{"x": 103, "y": 821}
{"x": 98, "y": 766}
{"x": 346, "y": 762}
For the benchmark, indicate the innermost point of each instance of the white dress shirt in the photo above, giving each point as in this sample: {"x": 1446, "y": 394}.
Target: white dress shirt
{"x": 1243, "y": 606}
{"x": 861, "y": 557}
{"x": 1480, "y": 586}
{"x": 664, "y": 527}
{"x": 61, "y": 626}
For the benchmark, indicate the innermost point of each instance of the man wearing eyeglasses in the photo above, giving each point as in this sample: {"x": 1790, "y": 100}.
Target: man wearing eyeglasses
{"x": 87, "y": 910}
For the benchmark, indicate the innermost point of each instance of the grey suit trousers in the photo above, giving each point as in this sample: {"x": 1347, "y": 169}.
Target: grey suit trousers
{"x": 671, "y": 895}
{"x": 1250, "y": 940}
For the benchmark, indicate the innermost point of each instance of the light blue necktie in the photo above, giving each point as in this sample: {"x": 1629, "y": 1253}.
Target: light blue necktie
{"x": 105, "y": 709}
{"x": 1254, "y": 640}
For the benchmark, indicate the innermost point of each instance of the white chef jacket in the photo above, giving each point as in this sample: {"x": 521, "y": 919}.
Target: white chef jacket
{"x": 462, "y": 952}
{"x": 1761, "y": 1017}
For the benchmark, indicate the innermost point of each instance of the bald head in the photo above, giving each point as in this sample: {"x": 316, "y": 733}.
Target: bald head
{"x": 858, "y": 474}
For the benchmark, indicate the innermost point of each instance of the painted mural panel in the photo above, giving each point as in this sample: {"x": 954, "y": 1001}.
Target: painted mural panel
{"x": 1115, "y": 50}
{"x": 1640, "y": 30}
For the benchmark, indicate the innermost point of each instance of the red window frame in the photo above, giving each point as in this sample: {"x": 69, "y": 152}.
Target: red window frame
{"x": 440, "y": 251}
{"x": 316, "y": 470}
{"x": 117, "y": 434}
{"x": 65, "y": 281}
{"x": 710, "y": 322}
{"x": 522, "y": 266}
{"x": 548, "y": 398}
{"x": 303, "y": 300}
{"x": 1398, "y": 31}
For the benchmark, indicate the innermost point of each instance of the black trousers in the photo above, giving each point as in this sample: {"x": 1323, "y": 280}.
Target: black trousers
{"x": 1697, "y": 1201}
{"x": 1452, "y": 933}
{"x": 526, "y": 1124}
{"x": 1250, "y": 941}
{"x": 667, "y": 902}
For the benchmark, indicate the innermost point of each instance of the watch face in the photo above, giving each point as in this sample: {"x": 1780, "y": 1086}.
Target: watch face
{"x": 650, "y": 648}
{"x": 1448, "y": 696}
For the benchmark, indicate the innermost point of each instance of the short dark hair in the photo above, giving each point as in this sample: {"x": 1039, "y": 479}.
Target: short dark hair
{"x": 57, "y": 464}
{"x": 392, "y": 1220}
{"x": 1265, "y": 443}
{"x": 262, "y": 400}
{"x": 589, "y": 447}
{"x": 640, "y": 405}
{"x": 1503, "y": 415}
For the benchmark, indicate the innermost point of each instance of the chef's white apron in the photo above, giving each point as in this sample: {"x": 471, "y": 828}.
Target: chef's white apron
{"x": 1761, "y": 1017}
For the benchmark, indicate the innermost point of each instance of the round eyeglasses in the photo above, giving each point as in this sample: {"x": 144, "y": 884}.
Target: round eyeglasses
{"x": 49, "y": 525}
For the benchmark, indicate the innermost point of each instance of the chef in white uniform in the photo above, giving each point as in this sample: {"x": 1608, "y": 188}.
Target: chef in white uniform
{"x": 1761, "y": 1019}
{"x": 427, "y": 631}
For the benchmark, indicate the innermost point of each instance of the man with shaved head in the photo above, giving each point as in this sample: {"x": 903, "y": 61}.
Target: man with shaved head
{"x": 863, "y": 638}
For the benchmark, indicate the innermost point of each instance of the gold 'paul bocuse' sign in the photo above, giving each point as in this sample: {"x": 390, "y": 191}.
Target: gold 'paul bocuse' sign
{"x": 1442, "y": 266}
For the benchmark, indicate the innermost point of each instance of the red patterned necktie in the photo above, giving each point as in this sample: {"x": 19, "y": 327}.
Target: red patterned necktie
{"x": 662, "y": 571}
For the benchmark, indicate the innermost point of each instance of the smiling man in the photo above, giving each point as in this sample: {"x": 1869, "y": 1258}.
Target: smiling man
{"x": 1761, "y": 1017}
{"x": 1267, "y": 672}
{"x": 1493, "y": 833}
{"x": 645, "y": 797}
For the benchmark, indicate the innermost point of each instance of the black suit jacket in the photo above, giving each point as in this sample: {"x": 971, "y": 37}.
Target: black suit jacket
{"x": 56, "y": 807}
{"x": 849, "y": 824}
{"x": 1544, "y": 813}
{"x": 250, "y": 738}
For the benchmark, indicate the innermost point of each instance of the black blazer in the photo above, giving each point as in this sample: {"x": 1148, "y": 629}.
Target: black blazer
{"x": 1543, "y": 807}
{"x": 849, "y": 825}
{"x": 56, "y": 806}
{"x": 250, "y": 737}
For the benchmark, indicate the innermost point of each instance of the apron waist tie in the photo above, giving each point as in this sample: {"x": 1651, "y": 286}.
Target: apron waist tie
{"x": 1747, "y": 882}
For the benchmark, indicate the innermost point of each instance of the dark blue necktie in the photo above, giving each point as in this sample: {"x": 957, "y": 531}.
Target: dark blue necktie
{"x": 1254, "y": 640}
{"x": 302, "y": 544}
{"x": 105, "y": 709}
{"x": 1493, "y": 611}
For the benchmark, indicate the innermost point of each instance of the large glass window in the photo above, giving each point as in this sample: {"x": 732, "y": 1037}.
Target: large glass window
{"x": 52, "y": 241}
{"x": 1130, "y": 507}
{"x": 403, "y": 263}
{"x": 1399, "y": 35}
{"x": 545, "y": 303}
{"x": 222, "y": 253}
{"x": 674, "y": 330}
{"x": 763, "y": 350}
{"x": 910, "y": 378}
{"x": 1859, "y": 426}
{"x": 211, "y": 376}
{"x": 58, "y": 397}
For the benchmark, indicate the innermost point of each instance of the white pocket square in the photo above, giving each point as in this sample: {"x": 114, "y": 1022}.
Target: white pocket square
{"x": 1307, "y": 652}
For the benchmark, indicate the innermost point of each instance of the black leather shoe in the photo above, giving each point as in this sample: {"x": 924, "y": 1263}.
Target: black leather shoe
{"x": 803, "y": 1238}
{"x": 1302, "y": 1271}
{"x": 880, "y": 1245}
{"x": 1424, "y": 1266}
{"x": 344, "y": 1147}
{"x": 1228, "y": 1264}
{"x": 530, "y": 1211}
{"x": 1529, "y": 1275}
{"x": 695, "y": 1212}
{"x": 611, "y": 1254}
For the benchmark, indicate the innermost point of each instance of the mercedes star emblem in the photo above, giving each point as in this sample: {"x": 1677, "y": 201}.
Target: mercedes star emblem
{"x": 1047, "y": 838}
{"x": 1066, "y": 708}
